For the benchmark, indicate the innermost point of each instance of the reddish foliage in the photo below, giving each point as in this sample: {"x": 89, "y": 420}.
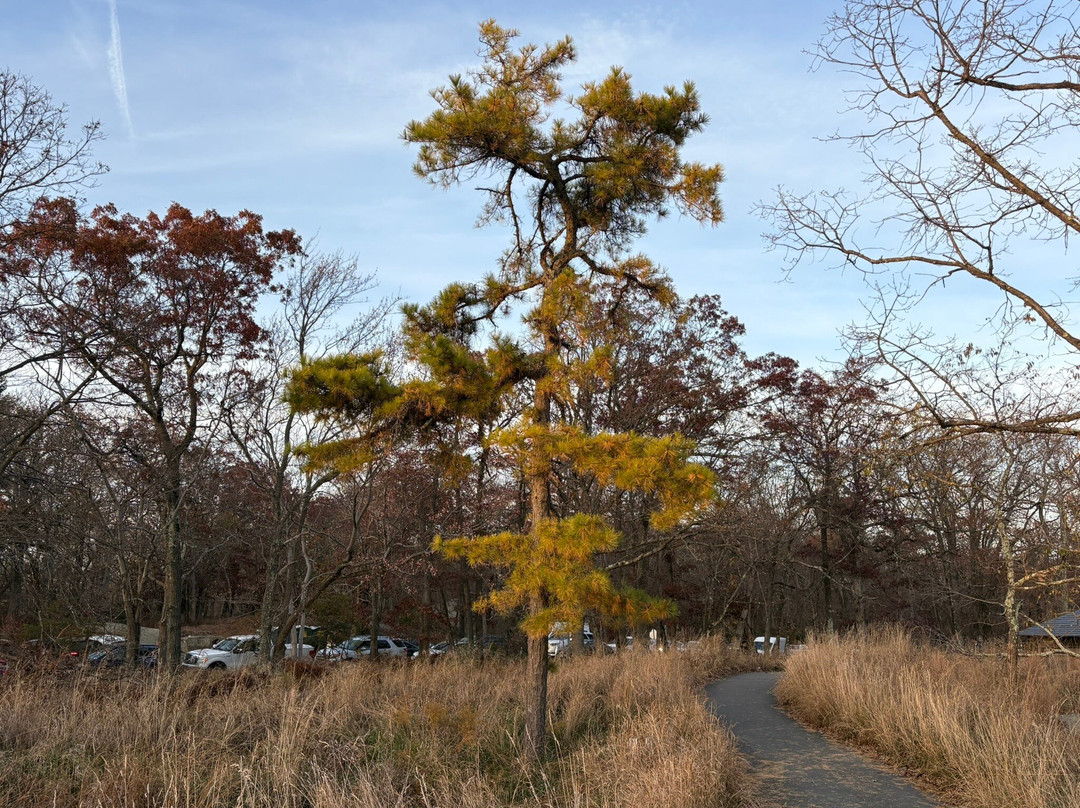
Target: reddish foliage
{"x": 157, "y": 289}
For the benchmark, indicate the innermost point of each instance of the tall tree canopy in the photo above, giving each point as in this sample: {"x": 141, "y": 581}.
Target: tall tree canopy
{"x": 159, "y": 309}
{"x": 576, "y": 191}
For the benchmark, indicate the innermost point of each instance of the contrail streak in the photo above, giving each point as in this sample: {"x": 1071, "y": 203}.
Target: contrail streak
{"x": 116, "y": 69}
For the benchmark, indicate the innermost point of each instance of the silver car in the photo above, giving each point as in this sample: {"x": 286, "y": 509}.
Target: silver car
{"x": 356, "y": 647}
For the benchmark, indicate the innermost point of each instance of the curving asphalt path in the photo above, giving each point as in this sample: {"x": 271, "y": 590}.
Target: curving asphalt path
{"x": 798, "y": 768}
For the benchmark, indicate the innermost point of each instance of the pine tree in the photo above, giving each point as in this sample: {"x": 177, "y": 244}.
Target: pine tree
{"x": 575, "y": 193}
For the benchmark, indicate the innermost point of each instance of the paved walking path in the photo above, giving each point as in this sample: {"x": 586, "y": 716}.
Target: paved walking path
{"x": 799, "y": 768}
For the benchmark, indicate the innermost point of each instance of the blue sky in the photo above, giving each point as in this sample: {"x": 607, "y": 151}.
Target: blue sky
{"x": 295, "y": 109}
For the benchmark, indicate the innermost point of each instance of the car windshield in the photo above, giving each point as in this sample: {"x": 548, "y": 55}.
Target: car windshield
{"x": 227, "y": 644}
{"x": 355, "y": 644}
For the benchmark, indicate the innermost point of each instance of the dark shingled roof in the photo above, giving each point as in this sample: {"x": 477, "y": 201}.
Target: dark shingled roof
{"x": 1064, "y": 625}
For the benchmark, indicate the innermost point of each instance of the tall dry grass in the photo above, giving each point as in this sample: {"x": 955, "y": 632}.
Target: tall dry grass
{"x": 981, "y": 739}
{"x": 627, "y": 730}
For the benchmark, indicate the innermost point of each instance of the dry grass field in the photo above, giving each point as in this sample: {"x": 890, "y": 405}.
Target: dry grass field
{"x": 627, "y": 730}
{"x": 980, "y": 739}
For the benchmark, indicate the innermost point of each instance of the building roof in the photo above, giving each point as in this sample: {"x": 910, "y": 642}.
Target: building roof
{"x": 1064, "y": 625}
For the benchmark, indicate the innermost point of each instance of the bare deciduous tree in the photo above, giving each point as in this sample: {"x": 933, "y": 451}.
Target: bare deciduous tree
{"x": 315, "y": 318}
{"x": 973, "y": 123}
{"x": 38, "y": 157}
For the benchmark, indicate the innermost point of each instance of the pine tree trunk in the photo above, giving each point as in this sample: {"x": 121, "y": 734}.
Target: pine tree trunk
{"x": 578, "y": 641}
{"x": 540, "y": 510}
{"x": 536, "y": 721}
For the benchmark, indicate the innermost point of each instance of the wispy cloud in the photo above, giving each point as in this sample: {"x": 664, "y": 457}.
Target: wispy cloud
{"x": 116, "y": 68}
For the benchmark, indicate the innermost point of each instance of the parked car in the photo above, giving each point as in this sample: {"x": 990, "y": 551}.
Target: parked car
{"x": 115, "y": 655}
{"x": 561, "y": 641}
{"x": 80, "y": 649}
{"x": 439, "y": 648}
{"x": 313, "y": 636}
{"x": 487, "y": 644}
{"x": 235, "y": 652}
{"x": 493, "y": 644}
{"x": 356, "y": 647}
{"x": 777, "y": 645}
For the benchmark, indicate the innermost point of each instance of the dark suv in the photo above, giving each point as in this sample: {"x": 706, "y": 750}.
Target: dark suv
{"x": 115, "y": 655}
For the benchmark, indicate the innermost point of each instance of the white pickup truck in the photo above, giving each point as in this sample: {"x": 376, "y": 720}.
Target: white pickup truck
{"x": 236, "y": 652}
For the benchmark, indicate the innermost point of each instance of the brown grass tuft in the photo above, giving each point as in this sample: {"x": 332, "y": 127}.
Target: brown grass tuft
{"x": 627, "y": 730}
{"x": 956, "y": 720}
